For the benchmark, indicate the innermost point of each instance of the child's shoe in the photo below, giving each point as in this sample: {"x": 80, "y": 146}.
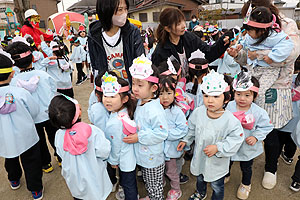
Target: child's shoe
{"x": 287, "y": 160}
{"x": 197, "y": 196}
{"x": 47, "y": 168}
{"x": 174, "y": 195}
{"x": 37, "y": 195}
{"x": 269, "y": 180}
{"x": 226, "y": 179}
{"x": 243, "y": 191}
{"x": 183, "y": 178}
{"x": 145, "y": 198}
{"x": 295, "y": 186}
{"x": 15, "y": 184}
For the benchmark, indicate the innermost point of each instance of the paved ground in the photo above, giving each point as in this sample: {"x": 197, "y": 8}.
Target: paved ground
{"x": 56, "y": 189}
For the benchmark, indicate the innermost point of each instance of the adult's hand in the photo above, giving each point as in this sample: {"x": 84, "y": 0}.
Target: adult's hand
{"x": 233, "y": 52}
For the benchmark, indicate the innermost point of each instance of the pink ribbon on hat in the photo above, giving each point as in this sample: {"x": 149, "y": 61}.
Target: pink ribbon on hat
{"x": 77, "y": 113}
{"x": 76, "y": 138}
{"x": 247, "y": 121}
{"x": 194, "y": 66}
{"x": 272, "y": 24}
{"x": 152, "y": 79}
{"x": 23, "y": 55}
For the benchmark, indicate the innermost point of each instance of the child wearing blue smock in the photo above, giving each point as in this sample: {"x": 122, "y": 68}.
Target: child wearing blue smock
{"x": 18, "y": 136}
{"x": 83, "y": 42}
{"x": 59, "y": 68}
{"x": 43, "y": 88}
{"x": 78, "y": 57}
{"x": 256, "y": 124}
{"x": 152, "y": 126}
{"x": 118, "y": 126}
{"x": 37, "y": 55}
{"x": 218, "y": 135}
{"x": 83, "y": 149}
{"x": 177, "y": 129}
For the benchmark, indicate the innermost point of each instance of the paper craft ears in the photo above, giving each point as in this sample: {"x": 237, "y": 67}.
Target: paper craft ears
{"x": 129, "y": 126}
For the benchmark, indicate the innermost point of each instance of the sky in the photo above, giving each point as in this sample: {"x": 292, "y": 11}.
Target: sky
{"x": 68, "y": 3}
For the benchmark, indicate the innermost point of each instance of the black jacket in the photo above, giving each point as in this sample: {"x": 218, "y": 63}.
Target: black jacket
{"x": 191, "y": 43}
{"x": 132, "y": 46}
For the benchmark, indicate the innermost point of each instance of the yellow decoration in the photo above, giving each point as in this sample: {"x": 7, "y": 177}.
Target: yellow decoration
{"x": 6, "y": 70}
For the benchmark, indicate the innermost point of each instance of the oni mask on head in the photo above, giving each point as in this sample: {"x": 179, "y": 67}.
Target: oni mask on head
{"x": 110, "y": 85}
{"x": 242, "y": 82}
{"x": 214, "y": 84}
{"x": 141, "y": 68}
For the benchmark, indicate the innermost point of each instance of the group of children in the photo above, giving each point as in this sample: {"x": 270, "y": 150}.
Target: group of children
{"x": 146, "y": 125}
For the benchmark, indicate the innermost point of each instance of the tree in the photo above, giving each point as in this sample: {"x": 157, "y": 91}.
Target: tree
{"x": 20, "y": 7}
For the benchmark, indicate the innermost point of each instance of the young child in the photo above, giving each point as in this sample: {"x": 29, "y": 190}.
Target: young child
{"x": 78, "y": 57}
{"x": 265, "y": 34}
{"x": 37, "y": 55}
{"x": 43, "y": 88}
{"x": 117, "y": 100}
{"x": 177, "y": 129}
{"x": 98, "y": 115}
{"x": 83, "y": 42}
{"x": 152, "y": 126}
{"x": 198, "y": 68}
{"x": 83, "y": 149}
{"x": 59, "y": 68}
{"x": 19, "y": 138}
{"x": 256, "y": 124}
{"x": 218, "y": 135}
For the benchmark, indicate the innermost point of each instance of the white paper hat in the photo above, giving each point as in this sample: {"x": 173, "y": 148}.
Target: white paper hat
{"x": 214, "y": 84}
{"x": 197, "y": 54}
{"x": 242, "y": 82}
{"x": 110, "y": 85}
{"x": 20, "y": 39}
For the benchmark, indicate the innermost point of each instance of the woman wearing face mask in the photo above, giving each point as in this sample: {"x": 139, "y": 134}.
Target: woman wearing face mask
{"x": 193, "y": 23}
{"x": 112, "y": 41}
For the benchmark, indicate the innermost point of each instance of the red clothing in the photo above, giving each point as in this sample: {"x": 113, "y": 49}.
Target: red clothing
{"x": 35, "y": 33}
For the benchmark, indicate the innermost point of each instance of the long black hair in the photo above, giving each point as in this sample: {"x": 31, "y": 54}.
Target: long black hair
{"x": 194, "y": 74}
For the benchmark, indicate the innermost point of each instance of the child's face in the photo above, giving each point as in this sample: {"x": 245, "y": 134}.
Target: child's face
{"x": 142, "y": 89}
{"x": 166, "y": 98}
{"x": 213, "y": 103}
{"x": 83, "y": 34}
{"x": 243, "y": 99}
{"x": 253, "y": 34}
{"x": 112, "y": 104}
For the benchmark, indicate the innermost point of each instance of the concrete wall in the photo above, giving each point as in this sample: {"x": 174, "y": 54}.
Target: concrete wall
{"x": 45, "y": 8}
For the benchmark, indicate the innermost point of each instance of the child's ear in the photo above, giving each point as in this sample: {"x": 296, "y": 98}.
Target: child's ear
{"x": 154, "y": 88}
{"x": 125, "y": 99}
{"x": 12, "y": 74}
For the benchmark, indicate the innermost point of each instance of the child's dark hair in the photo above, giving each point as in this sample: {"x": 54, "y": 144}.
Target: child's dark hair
{"x": 32, "y": 44}
{"x": 130, "y": 104}
{"x": 5, "y": 63}
{"x": 261, "y": 15}
{"x": 98, "y": 83}
{"x": 155, "y": 74}
{"x": 166, "y": 83}
{"x": 198, "y": 33}
{"x": 60, "y": 54}
{"x": 163, "y": 66}
{"x": 61, "y": 112}
{"x": 17, "y": 48}
{"x": 229, "y": 80}
{"x": 197, "y": 72}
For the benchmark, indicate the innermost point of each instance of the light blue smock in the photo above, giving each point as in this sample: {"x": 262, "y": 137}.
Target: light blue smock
{"x": 47, "y": 50}
{"x": 38, "y": 58}
{"x": 280, "y": 44}
{"x": 44, "y": 92}
{"x": 78, "y": 54}
{"x": 122, "y": 154}
{"x": 177, "y": 129}
{"x": 98, "y": 115}
{"x": 226, "y": 132}
{"x": 152, "y": 130}
{"x": 262, "y": 127}
{"x": 17, "y": 129}
{"x": 62, "y": 78}
{"x": 228, "y": 66}
{"x": 86, "y": 174}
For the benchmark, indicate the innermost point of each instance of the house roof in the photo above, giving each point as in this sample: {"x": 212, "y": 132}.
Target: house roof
{"x": 83, "y": 6}
{"x": 151, "y": 4}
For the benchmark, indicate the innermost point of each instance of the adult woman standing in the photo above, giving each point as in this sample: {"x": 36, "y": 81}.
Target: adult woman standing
{"x": 112, "y": 41}
{"x": 173, "y": 40}
{"x": 279, "y": 107}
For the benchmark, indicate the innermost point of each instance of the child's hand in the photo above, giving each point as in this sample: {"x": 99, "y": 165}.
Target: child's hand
{"x": 180, "y": 146}
{"x": 42, "y": 38}
{"x": 233, "y": 52}
{"x": 115, "y": 166}
{"x": 268, "y": 60}
{"x": 239, "y": 47}
{"x": 251, "y": 140}
{"x": 226, "y": 40}
{"x": 132, "y": 138}
{"x": 252, "y": 55}
{"x": 210, "y": 150}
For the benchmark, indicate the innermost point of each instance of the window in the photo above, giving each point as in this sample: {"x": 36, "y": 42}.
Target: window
{"x": 156, "y": 16}
{"x": 143, "y": 17}
{"x": 232, "y": 1}
{"x": 2, "y": 9}
{"x": 218, "y": 1}
{"x": 42, "y": 24}
{"x": 187, "y": 15}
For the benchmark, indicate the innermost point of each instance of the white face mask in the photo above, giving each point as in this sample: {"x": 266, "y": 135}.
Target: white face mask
{"x": 194, "y": 20}
{"x": 119, "y": 20}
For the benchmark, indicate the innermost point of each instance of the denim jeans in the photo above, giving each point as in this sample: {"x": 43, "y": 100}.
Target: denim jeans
{"x": 217, "y": 186}
{"x": 129, "y": 184}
